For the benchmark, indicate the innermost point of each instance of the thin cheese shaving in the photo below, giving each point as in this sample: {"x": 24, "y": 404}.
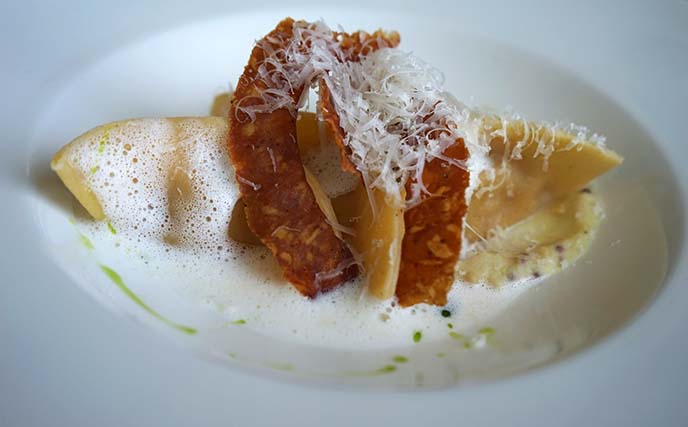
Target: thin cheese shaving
{"x": 253, "y": 185}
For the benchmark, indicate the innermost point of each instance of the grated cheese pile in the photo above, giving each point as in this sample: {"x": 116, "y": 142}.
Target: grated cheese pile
{"x": 392, "y": 106}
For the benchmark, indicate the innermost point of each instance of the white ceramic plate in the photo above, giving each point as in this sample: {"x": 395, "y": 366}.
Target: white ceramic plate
{"x": 65, "y": 357}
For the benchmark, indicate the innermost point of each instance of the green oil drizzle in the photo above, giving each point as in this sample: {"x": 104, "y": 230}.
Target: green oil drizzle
{"x": 86, "y": 242}
{"x": 456, "y": 335}
{"x": 417, "y": 336}
{"x": 487, "y": 331}
{"x": 101, "y": 147}
{"x": 117, "y": 280}
{"x": 111, "y": 228}
{"x": 450, "y": 325}
{"x": 400, "y": 359}
{"x": 441, "y": 355}
{"x": 287, "y": 367}
{"x": 238, "y": 322}
{"x": 387, "y": 369}
{"x": 103, "y": 140}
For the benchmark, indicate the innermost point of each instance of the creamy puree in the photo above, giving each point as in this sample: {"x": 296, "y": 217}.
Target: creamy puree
{"x": 542, "y": 244}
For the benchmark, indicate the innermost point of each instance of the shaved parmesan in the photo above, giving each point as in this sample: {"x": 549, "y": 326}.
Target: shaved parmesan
{"x": 394, "y": 111}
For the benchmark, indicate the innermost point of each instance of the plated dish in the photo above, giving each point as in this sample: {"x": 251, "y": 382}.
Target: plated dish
{"x": 75, "y": 348}
{"x": 436, "y": 216}
{"x": 424, "y": 180}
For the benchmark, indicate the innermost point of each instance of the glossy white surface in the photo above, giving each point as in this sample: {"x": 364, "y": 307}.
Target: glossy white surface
{"x": 65, "y": 360}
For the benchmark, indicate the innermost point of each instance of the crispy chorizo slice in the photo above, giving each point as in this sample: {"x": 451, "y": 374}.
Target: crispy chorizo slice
{"x": 432, "y": 238}
{"x": 432, "y": 241}
{"x": 360, "y": 43}
{"x": 280, "y": 207}
{"x": 329, "y": 116}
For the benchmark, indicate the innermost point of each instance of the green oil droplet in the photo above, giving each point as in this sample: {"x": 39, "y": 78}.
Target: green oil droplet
{"x": 387, "y": 369}
{"x": 117, "y": 280}
{"x": 86, "y": 242}
{"x": 111, "y": 228}
{"x": 486, "y": 331}
{"x": 400, "y": 359}
{"x": 103, "y": 140}
{"x": 441, "y": 355}
{"x": 238, "y": 322}
{"x": 417, "y": 336}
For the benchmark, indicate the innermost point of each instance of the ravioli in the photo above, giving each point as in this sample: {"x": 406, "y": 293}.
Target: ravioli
{"x": 531, "y": 165}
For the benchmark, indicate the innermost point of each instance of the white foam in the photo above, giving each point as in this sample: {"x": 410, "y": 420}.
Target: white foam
{"x": 127, "y": 164}
{"x": 234, "y": 280}
{"x": 246, "y": 285}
